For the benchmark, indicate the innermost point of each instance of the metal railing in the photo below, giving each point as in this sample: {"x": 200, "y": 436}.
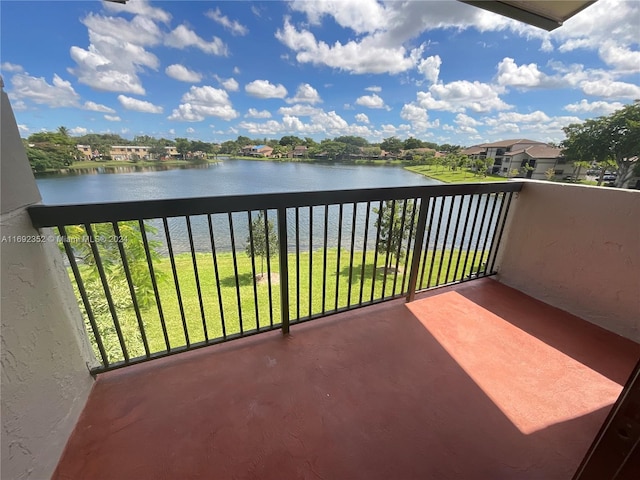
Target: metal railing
{"x": 159, "y": 277}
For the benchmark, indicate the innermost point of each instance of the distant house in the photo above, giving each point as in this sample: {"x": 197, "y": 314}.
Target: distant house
{"x": 261, "y": 151}
{"x": 299, "y": 151}
{"x": 510, "y": 155}
{"x": 86, "y": 151}
{"x": 172, "y": 152}
{"x": 127, "y": 152}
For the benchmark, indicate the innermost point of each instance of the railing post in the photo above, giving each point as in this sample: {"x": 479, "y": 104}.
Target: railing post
{"x": 417, "y": 247}
{"x": 284, "y": 268}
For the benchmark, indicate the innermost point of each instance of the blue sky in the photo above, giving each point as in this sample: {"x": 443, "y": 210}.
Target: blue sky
{"x": 440, "y": 71}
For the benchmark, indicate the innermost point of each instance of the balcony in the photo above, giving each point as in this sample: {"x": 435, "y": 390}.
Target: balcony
{"x": 491, "y": 341}
{"x": 472, "y": 381}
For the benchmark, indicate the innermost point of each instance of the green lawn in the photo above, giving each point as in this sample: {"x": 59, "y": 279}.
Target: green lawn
{"x": 459, "y": 176}
{"x": 252, "y": 313}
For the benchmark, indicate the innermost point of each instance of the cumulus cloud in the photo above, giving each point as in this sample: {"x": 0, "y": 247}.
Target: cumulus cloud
{"x": 265, "y": 89}
{"x": 112, "y": 118}
{"x": 299, "y": 110}
{"x": 621, "y": 58}
{"x": 183, "y": 74}
{"x": 611, "y": 89}
{"x": 97, "y": 107}
{"x": 23, "y": 128}
{"x": 366, "y": 56}
{"x": 78, "y": 131}
{"x": 461, "y": 95}
{"x": 362, "y": 118}
{"x": 255, "y": 113}
{"x": 182, "y": 37}
{"x": 305, "y": 94}
{"x": 57, "y": 94}
{"x": 140, "y": 7}
{"x": 138, "y": 105}
{"x": 230, "y": 84}
{"x": 596, "y": 107}
{"x": 116, "y": 53}
{"x": 370, "y": 101}
{"x": 510, "y": 74}
{"x": 430, "y": 68}
{"x": 11, "y": 67}
{"x": 417, "y": 116}
{"x": 463, "y": 120}
{"x": 374, "y": 88}
{"x": 235, "y": 27}
{"x": 201, "y": 102}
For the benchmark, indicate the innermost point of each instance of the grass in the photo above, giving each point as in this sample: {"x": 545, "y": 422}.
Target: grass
{"x": 450, "y": 176}
{"x": 254, "y": 313}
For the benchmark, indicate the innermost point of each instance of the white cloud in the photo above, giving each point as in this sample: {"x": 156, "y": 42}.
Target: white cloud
{"x": 417, "y": 116}
{"x": 463, "y": 120}
{"x": 23, "y": 128}
{"x": 370, "y": 101}
{"x": 374, "y": 88}
{"x": 112, "y": 118}
{"x": 190, "y": 130}
{"x": 78, "y": 131}
{"x": 265, "y": 89}
{"x": 305, "y": 94}
{"x": 59, "y": 93}
{"x": 510, "y": 74}
{"x": 459, "y": 95}
{"x": 230, "y": 84}
{"x": 138, "y": 105}
{"x": 97, "y": 107}
{"x": 254, "y": 113}
{"x": 621, "y": 58}
{"x": 611, "y": 89}
{"x": 430, "y": 68}
{"x": 139, "y": 7}
{"x": 201, "y": 102}
{"x": 236, "y": 71}
{"x": 361, "y": 16}
{"x": 299, "y": 110}
{"x": 232, "y": 25}
{"x": 182, "y": 37}
{"x": 362, "y": 118}
{"x": 11, "y": 67}
{"x": 596, "y": 107}
{"x": 369, "y": 55}
{"x": 183, "y": 74}
{"x": 116, "y": 53}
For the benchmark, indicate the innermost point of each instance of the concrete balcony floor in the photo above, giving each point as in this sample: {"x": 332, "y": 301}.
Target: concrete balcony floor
{"x": 474, "y": 381}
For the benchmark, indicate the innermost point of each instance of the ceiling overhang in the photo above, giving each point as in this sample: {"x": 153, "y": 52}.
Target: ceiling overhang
{"x": 545, "y": 14}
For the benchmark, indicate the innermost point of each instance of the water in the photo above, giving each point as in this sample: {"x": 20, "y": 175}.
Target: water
{"x": 233, "y": 177}
{"x": 228, "y": 177}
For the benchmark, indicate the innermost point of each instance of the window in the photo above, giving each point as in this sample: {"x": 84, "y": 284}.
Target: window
{"x": 558, "y": 172}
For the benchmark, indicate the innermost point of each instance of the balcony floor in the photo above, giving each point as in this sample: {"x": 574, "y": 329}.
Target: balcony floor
{"x": 474, "y": 381}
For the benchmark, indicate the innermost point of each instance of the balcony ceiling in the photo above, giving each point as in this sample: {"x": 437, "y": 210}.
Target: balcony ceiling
{"x": 543, "y": 14}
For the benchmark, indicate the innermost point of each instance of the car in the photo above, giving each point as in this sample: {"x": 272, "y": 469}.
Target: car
{"x": 609, "y": 178}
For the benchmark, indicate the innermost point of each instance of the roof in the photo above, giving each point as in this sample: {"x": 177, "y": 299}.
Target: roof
{"x": 544, "y": 151}
{"x": 511, "y": 143}
{"x": 547, "y": 15}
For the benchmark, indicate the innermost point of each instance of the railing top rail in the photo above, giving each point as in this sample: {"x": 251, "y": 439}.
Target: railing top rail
{"x": 54, "y": 215}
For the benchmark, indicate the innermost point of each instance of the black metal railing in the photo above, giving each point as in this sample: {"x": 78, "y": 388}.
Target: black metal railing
{"x": 159, "y": 277}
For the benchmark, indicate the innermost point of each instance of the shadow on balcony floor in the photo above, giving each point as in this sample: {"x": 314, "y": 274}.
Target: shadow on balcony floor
{"x": 476, "y": 381}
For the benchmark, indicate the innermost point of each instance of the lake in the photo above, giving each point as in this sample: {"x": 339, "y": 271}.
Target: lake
{"x": 232, "y": 177}
{"x": 228, "y": 177}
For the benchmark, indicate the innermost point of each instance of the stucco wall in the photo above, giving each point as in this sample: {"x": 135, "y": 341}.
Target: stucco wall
{"x": 577, "y": 248}
{"x": 45, "y": 379}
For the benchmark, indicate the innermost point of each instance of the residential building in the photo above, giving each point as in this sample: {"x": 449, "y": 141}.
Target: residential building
{"x": 531, "y": 159}
{"x": 127, "y": 152}
{"x": 86, "y": 151}
{"x": 260, "y": 151}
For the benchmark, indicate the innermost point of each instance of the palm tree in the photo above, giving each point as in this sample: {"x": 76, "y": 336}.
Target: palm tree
{"x": 64, "y": 131}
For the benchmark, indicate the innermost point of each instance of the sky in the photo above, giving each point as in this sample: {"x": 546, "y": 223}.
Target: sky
{"x": 440, "y": 71}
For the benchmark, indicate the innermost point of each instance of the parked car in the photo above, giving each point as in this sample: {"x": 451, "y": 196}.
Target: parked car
{"x": 609, "y": 178}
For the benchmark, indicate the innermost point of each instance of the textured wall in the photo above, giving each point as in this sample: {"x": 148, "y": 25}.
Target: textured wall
{"x": 45, "y": 380}
{"x": 578, "y": 248}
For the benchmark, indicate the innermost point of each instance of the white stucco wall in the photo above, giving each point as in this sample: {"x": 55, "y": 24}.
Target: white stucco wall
{"x": 45, "y": 379}
{"x": 577, "y": 248}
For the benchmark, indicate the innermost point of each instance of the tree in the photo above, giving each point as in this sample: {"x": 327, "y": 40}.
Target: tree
{"x": 391, "y": 144}
{"x": 157, "y": 151}
{"x": 412, "y": 143}
{"x": 394, "y": 228}
{"x": 351, "y": 140}
{"x": 290, "y": 140}
{"x": 549, "y": 173}
{"x": 614, "y": 137}
{"x": 578, "y": 166}
{"x": 183, "y": 146}
{"x": 64, "y": 131}
{"x": 258, "y": 243}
